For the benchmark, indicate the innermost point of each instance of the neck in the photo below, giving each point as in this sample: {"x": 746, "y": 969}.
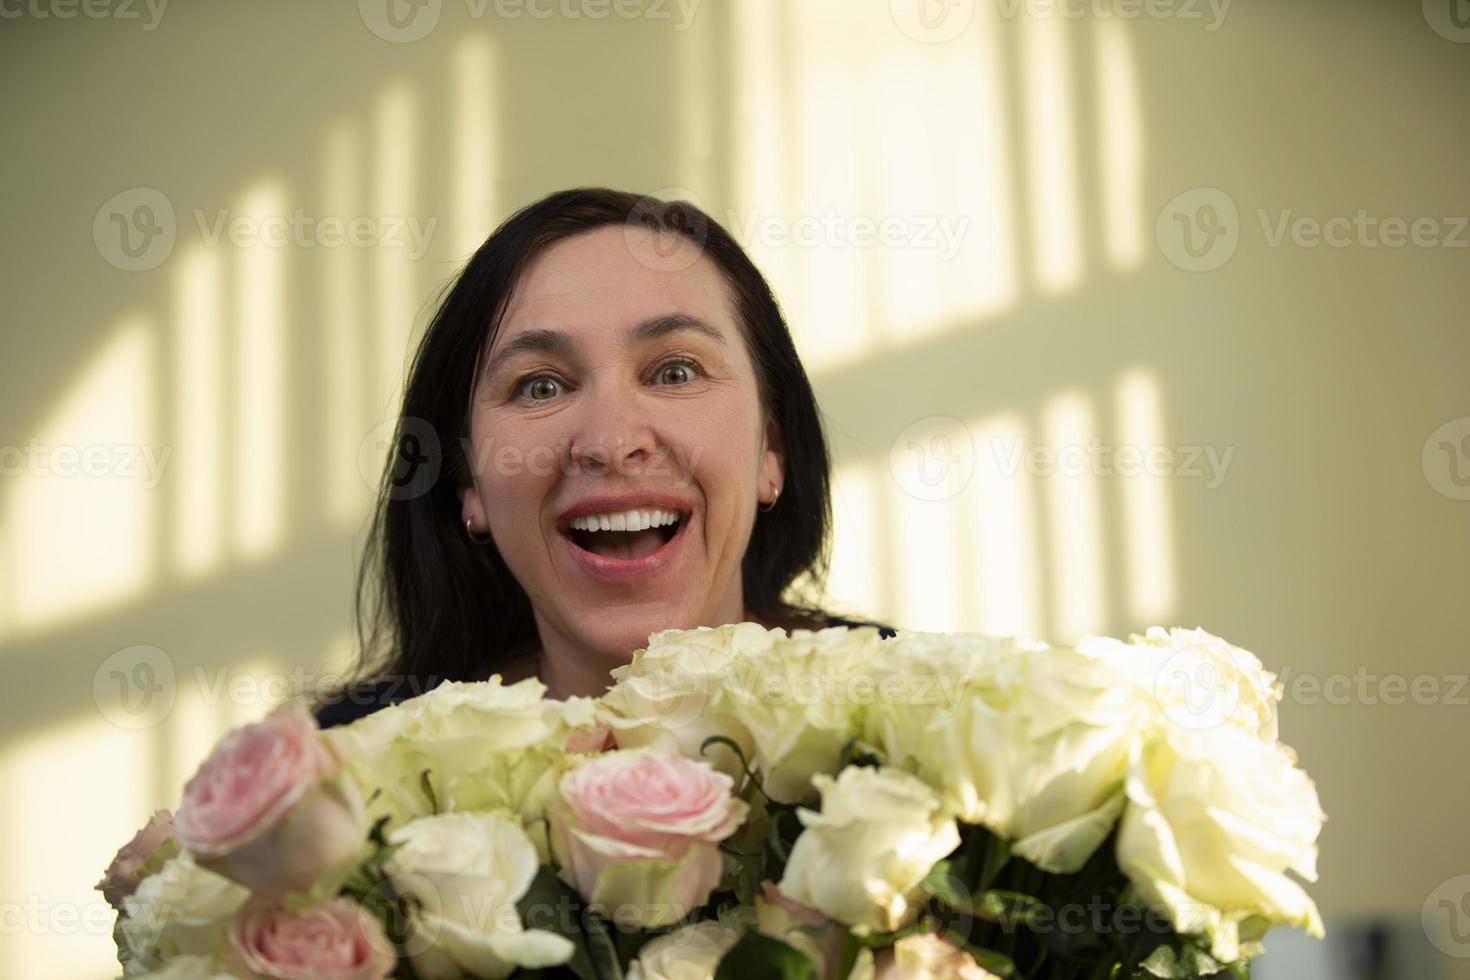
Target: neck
{"x": 568, "y": 668}
{"x": 567, "y": 673}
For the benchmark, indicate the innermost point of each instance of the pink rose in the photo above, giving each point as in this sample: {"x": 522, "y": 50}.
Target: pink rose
{"x": 334, "y": 940}
{"x": 638, "y": 833}
{"x": 139, "y": 857}
{"x": 270, "y": 808}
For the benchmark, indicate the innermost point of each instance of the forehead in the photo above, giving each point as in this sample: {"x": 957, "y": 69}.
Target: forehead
{"x": 610, "y": 278}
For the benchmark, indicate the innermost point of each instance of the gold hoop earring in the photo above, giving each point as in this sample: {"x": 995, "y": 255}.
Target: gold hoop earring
{"x": 767, "y": 508}
{"x": 473, "y": 537}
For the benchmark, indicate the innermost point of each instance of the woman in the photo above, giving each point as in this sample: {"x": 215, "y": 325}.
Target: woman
{"x": 606, "y": 432}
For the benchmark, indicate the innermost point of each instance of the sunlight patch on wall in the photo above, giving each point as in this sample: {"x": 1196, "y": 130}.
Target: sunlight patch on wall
{"x": 1078, "y": 605}
{"x": 81, "y": 515}
{"x": 942, "y": 183}
{"x": 1147, "y": 517}
{"x": 931, "y": 583}
{"x": 1004, "y": 541}
{"x": 395, "y": 175}
{"x": 261, "y": 358}
{"x": 1051, "y": 153}
{"x": 1120, "y": 128}
{"x": 874, "y": 188}
{"x": 80, "y": 787}
{"x": 258, "y": 685}
{"x": 474, "y": 212}
{"x": 194, "y": 724}
{"x": 348, "y": 419}
{"x": 830, "y": 90}
{"x": 199, "y": 426}
{"x": 759, "y": 178}
{"x": 856, "y": 581}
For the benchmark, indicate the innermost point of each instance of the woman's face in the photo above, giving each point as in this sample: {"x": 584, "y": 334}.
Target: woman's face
{"x": 618, "y": 382}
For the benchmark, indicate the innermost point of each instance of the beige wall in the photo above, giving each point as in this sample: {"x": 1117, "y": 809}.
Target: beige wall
{"x": 1034, "y": 292}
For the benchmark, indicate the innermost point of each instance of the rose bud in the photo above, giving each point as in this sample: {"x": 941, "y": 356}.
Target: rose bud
{"x": 139, "y": 858}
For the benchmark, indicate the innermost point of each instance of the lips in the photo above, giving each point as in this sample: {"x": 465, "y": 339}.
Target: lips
{"x": 627, "y": 571}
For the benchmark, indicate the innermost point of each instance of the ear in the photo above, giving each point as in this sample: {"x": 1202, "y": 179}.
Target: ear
{"x": 773, "y": 464}
{"x": 470, "y": 508}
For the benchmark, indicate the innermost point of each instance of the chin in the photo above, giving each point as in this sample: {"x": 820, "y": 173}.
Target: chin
{"x": 615, "y": 638}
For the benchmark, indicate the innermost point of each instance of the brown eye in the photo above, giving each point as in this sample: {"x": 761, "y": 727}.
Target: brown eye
{"x": 676, "y": 373}
{"x": 540, "y": 388}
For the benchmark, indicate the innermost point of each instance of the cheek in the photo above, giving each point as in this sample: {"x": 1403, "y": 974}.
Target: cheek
{"x": 721, "y": 448}
{"x": 515, "y": 468}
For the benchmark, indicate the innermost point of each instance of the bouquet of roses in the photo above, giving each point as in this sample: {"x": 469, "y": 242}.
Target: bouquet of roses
{"x": 746, "y": 802}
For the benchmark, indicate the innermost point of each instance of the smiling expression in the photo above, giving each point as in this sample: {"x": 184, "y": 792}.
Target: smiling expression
{"x": 618, "y": 393}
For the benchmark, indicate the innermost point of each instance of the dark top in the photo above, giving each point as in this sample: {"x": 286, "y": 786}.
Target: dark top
{"x": 362, "y": 698}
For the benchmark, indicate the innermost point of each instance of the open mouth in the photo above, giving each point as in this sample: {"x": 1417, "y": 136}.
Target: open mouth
{"x": 630, "y": 536}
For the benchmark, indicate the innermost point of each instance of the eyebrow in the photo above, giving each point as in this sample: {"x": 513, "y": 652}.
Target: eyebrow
{"x": 544, "y": 341}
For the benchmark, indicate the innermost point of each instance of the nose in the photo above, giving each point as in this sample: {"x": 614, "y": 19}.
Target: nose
{"x": 613, "y": 434}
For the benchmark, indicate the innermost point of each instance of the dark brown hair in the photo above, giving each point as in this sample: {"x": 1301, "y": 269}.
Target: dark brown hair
{"x": 433, "y": 606}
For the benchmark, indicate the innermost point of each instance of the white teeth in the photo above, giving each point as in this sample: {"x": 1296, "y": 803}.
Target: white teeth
{"x": 628, "y": 520}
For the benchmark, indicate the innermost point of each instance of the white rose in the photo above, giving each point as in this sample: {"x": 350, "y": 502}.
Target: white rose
{"x": 1197, "y": 680}
{"x": 486, "y": 746}
{"x": 861, "y": 859}
{"x": 1213, "y": 822}
{"x": 669, "y": 696}
{"x": 691, "y": 952}
{"x": 183, "y": 910}
{"x": 466, "y": 871}
{"x": 920, "y": 676}
{"x": 802, "y": 699}
{"x": 1034, "y": 746}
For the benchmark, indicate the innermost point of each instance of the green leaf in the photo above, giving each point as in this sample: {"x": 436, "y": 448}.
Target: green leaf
{"x": 1191, "y": 960}
{"x": 601, "y": 948}
{"x": 1162, "y": 962}
{"x": 997, "y": 963}
{"x": 1008, "y": 908}
{"x": 551, "y": 905}
{"x": 758, "y": 955}
{"x": 945, "y": 883}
